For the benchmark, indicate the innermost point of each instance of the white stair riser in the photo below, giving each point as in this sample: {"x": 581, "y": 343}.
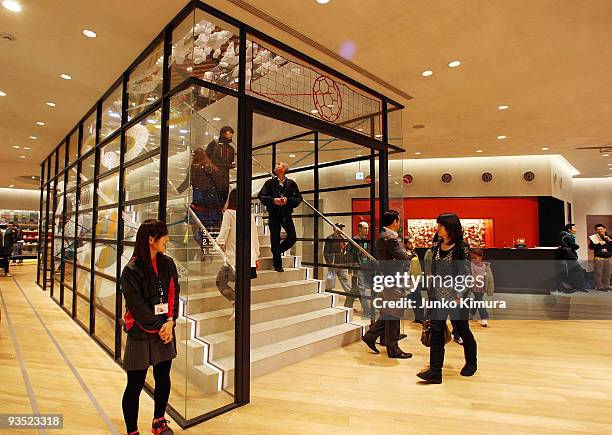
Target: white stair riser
{"x": 209, "y": 282}
{"x": 210, "y": 267}
{"x": 204, "y": 382}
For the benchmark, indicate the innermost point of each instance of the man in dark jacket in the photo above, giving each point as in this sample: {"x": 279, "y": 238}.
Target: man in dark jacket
{"x": 6, "y": 246}
{"x": 280, "y": 195}
{"x": 601, "y": 244}
{"x": 17, "y": 243}
{"x": 574, "y": 274}
{"x": 388, "y": 250}
{"x": 223, "y": 156}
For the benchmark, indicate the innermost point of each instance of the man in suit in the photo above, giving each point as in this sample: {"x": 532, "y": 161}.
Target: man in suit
{"x": 389, "y": 249}
{"x": 280, "y": 195}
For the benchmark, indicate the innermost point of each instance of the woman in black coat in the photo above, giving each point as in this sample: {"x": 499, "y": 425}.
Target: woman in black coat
{"x": 451, "y": 258}
{"x": 150, "y": 285}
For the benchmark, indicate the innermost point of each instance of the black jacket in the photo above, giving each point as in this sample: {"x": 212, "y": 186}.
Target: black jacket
{"x": 141, "y": 296}
{"x": 568, "y": 246}
{"x": 393, "y": 259}
{"x": 223, "y": 156}
{"x": 201, "y": 177}
{"x": 601, "y": 251}
{"x": 271, "y": 190}
{"x": 461, "y": 258}
{"x": 6, "y": 244}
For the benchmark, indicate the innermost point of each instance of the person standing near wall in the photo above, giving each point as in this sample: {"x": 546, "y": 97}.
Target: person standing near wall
{"x": 573, "y": 279}
{"x": 334, "y": 251}
{"x": 281, "y": 196}
{"x": 482, "y": 286}
{"x": 150, "y": 285}
{"x": 17, "y": 244}
{"x": 6, "y": 247}
{"x": 223, "y": 156}
{"x": 601, "y": 244}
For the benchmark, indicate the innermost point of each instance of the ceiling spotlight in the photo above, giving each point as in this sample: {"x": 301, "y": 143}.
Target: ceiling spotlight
{"x": 427, "y": 73}
{"x": 501, "y": 137}
{"x": 33, "y": 137}
{"x": 89, "y": 33}
{"x": 291, "y": 155}
{"x": 50, "y": 104}
{"x": 2, "y": 94}
{"x": 360, "y": 129}
{"x": 12, "y": 5}
{"x": 322, "y": 2}
{"x": 22, "y": 157}
{"x": 454, "y": 64}
{"x": 313, "y": 111}
{"x": 40, "y": 123}
{"x": 27, "y": 148}
{"x": 11, "y": 185}
{"x": 545, "y": 148}
{"x": 16, "y": 146}
{"x": 183, "y": 131}
{"x": 216, "y": 118}
{"x": 358, "y": 155}
{"x": 311, "y": 141}
{"x": 418, "y": 153}
{"x": 605, "y": 155}
{"x": 66, "y": 76}
{"x": 478, "y": 151}
{"x": 503, "y": 107}
{"x": 378, "y": 136}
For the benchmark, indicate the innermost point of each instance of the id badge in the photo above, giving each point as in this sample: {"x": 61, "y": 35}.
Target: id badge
{"x": 161, "y": 309}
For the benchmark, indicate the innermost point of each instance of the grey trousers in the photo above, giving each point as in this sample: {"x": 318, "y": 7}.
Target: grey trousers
{"x": 601, "y": 271}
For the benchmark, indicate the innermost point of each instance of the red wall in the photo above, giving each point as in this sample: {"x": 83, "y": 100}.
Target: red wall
{"x": 512, "y": 217}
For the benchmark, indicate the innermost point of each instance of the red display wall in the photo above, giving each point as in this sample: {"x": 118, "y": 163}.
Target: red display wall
{"x": 513, "y": 218}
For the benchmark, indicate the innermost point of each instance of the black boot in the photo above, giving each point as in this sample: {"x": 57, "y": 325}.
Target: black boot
{"x": 470, "y": 352}
{"x": 433, "y": 374}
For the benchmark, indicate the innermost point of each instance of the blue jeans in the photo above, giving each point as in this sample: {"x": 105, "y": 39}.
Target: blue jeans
{"x": 484, "y": 314}
{"x": 208, "y": 212}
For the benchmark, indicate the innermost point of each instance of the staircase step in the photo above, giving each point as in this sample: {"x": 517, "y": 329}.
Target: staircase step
{"x": 267, "y": 359}
{"x": 206, "y": 267}
{"x": 222, "y": 344}
{"x": 263, "y": 277}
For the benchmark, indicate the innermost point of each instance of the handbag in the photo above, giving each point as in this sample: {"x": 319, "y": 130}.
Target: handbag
{"x": 426, "y": 333}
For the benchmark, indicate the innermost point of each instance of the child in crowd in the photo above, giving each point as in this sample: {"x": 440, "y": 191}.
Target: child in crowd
{"x": 483, "y": 285}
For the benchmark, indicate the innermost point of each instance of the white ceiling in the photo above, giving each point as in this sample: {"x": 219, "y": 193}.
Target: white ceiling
{"x": 549, "y": 60}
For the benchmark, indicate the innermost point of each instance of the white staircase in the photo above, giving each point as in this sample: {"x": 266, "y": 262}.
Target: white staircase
{"x": 292, "y": 319}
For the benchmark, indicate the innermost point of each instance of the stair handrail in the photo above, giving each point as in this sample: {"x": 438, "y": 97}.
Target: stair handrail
{"x": 326, "y": 219}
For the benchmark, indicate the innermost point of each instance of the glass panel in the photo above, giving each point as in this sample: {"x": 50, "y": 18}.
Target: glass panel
{"x": 72, "y": 177}
{"x": 108, "y": 190}
{"x": 109, "y": 156}
{"x": 394, "y": 127}
{"x": 85, "y": 224}
{"x": 68, "y": 295}
{"x": 277, "y": 76}
{"x": 144, "y": 137}
{"x": 105, "y": 324}
{"x": 145, "y": 83}
{"x": 111, "y": 113}
{"x": 142, "y": 179}
{"x": 87, "y": 168}
{"x": 89, "y": 133}
{"x": 62, "y": 157}
{"x": 197, "y": 116}
{"x": 83, "y": 253}
{"x": 106, "y": 258}
{"x": 107, "y": 224}
{"x": 73, "y": 154}
{"x": 134, "y": 215}
{"x": 82, "y": 308}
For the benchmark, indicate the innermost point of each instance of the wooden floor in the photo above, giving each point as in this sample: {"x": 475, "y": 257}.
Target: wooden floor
{"x": 534, "y": 377}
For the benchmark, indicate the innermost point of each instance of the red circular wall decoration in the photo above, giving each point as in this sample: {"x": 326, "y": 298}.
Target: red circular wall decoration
{"x": 446, "y": 178}
{"x": 486, "y": 177}
{"x": 407, "y": 179}
{"x": 529, "y": 176}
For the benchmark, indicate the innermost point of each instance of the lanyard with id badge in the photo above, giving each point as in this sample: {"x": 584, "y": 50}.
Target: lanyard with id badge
{"x": 161, "y": 307}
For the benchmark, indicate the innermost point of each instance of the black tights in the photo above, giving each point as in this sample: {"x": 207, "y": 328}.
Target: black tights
{"x": 135, "y": 383}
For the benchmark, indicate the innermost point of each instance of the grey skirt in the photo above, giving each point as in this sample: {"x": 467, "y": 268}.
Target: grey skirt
{"x": 140, "y": 354}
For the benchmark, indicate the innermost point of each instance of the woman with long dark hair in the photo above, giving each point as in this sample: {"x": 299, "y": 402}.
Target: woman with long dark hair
{"x": 450, "y": 268}
{"x": 150, "y": 285}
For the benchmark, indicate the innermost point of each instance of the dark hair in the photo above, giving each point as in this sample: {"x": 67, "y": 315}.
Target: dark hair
{"x": 389, "y": 217}
{"x": 477, "y": 251}
{"x": 569, "y": 226}
{"x": 232, "y": 200}
{"x": 600, "y": 225}
{"x": 142, "y": 253}
{"x": 224, "y": 130}
{"x": 435, "y": 239}
{"x": 452, "y": 225}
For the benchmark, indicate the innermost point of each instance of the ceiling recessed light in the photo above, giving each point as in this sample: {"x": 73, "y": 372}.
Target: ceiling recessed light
{"x": 378, "y": 135}
{"x": 605, "y": 155}
{"x": 89, "y": 33}
{"x": 12, "y": 5}
{"x": 66, "y": 76}
{"x": 16, "y": 146}
{"x": 454, "y": 64}
{"x": 358, "y": 155}
{"x": 311, "y": 141}
{"x": 2, "y": 94}
{"x": 11, "y": 185}
{"x": 40, "y": 123}
{"x": 183, "y": 131}
{"x": 417, "y": 153}
{"x": 478, "y": 151}
{"x": 322, "y": 2}
{"x": 503, "y": 107}
{"x": 426, "y": 73}
{"x": 27, "y": 148}
{"x": 501, "y": 137}
{"x": 313, "y": 111}
{"x": 545, "y": 148}
{"x": 360, "y": 129}
{"x": 216, "y": 118}
{"x": 33, "y": 137}
{"x": 291, "y": 155}
{"x": 22, "y": 157}
{"x": 50, "y": 104}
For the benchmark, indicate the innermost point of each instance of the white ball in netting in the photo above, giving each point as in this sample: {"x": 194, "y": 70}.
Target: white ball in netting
{"x": 110, "y": 160}
{"x": 140, "y": 134}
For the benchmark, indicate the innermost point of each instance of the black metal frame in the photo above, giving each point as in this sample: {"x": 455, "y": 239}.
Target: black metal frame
{"x": 247, "y": 106}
